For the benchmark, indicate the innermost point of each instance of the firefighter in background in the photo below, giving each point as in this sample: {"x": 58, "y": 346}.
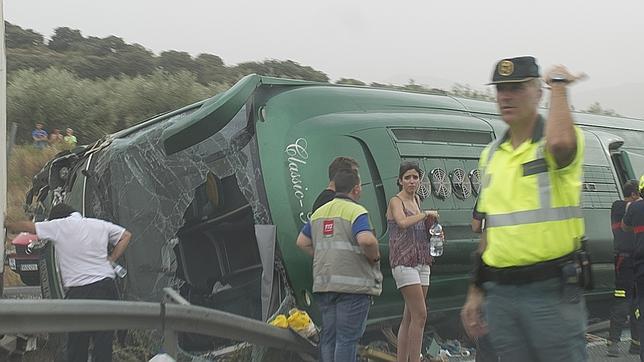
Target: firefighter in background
{"x": 633, "y": 221}
{"x": 624, "y": 244}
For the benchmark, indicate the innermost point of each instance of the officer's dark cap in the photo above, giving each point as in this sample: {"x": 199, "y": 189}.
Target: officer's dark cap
{"x": 515, "y": 70}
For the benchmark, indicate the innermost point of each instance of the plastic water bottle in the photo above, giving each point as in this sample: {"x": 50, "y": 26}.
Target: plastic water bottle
{"x": 436, "y": 240}
{"x": 120, "y": 271}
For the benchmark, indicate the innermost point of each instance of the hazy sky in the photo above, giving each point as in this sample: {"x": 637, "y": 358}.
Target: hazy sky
{"x": 437, "y": 43}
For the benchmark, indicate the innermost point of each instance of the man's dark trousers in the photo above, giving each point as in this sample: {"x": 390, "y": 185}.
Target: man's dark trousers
{"x": 624, "y": 298}
{"x": 78, "y": 342}
{"x": 639, "y": 305}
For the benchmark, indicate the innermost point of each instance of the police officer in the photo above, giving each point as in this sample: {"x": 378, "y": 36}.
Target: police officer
{"x": 634, "y": 222}
{"x": 531, "y": 195}
{"x": 624, "y": 244}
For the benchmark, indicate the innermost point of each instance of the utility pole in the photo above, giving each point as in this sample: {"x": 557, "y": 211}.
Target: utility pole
{"x": 3, "y": 145}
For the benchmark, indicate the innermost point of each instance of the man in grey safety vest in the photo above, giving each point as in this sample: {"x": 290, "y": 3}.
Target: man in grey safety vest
{"x": 346, "y": 267}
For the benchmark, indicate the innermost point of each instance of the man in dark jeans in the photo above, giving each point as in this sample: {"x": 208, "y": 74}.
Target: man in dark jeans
{"x": 624, "y": 244}
{"x": 85, "y": 267}
{"x": 346, "y": 267}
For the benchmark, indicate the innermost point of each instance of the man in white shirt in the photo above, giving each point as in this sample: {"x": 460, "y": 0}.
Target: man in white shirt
{"x": 85, "y": 266}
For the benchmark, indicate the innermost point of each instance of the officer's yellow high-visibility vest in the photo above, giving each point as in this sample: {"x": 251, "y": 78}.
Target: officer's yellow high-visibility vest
{"x": 532, "y": 208}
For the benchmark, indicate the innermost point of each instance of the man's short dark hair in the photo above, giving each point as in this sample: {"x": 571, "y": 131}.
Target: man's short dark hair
{"x": 345, "y": 180}
{"x": 61, "y": 211}
{"x": 340, "y": 163}
{"x": 630, "y": 187}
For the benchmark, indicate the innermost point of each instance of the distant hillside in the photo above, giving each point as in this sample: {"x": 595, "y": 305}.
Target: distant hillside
{"x": 100, "y": 85}
{"x": 625, "y": 99}
{"x": 110, "y": 57}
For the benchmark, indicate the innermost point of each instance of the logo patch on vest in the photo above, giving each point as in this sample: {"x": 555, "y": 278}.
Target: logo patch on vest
{"x": 327, "y": 228}
{"x": 535, "y": 167}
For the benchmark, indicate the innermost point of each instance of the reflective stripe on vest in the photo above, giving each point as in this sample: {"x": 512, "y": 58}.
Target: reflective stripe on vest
{"x": 533, "y": 216}
{"x": 544, "y": 213}
{"x": 543, "y": 180}
{"x": 341, "y": 279}
{"x": 338, "y": 245}
{"x": 486, "y": 176}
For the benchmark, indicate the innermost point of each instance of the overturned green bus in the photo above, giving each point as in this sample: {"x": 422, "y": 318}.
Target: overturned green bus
{"x": 215, "y": 193}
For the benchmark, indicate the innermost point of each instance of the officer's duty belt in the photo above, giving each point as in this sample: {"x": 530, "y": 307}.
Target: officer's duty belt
{"x": 528, "y": 273}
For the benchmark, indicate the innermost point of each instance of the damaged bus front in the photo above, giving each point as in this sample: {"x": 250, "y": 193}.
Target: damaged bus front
{"x": 190, "y": 187}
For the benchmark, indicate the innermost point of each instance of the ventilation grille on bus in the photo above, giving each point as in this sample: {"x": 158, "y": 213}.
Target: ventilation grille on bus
{"x": 462, "y": 189}
{"x": 442, "y": 135}
{"x": 475, "y": 180}
{"x": 440, "y": 183}
{"x": 425, "y": 187}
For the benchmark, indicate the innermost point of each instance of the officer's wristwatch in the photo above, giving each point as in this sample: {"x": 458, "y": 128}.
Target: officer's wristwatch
{"x": 559, "y": 78}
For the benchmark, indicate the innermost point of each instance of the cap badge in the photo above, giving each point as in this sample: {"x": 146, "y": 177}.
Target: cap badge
{"x": 506, "y": 68}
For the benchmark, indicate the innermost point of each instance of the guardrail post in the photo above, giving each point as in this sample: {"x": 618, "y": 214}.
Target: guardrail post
{"x": 170, "y": 342}
{"x": 170, "y": 336}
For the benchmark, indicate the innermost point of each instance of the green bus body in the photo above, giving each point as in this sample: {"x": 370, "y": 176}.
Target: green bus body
{"x": 299, "y": 127}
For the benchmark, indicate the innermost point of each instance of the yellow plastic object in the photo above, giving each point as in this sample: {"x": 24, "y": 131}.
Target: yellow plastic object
{"x": 280, "y": 321}
{"x": 299, "y": 320}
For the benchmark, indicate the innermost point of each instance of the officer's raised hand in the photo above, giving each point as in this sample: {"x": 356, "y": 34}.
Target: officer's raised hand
{"x": 560, "y": 74}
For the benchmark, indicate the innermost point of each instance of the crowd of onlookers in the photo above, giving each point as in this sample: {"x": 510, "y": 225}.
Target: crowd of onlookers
{"x": 42, "y": 139}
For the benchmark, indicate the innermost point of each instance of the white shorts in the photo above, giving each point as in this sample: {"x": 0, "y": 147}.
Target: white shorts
{"x": 408, "y": 275}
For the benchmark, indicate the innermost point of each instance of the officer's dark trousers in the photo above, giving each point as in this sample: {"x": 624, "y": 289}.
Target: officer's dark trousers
{"x": 624, "y": 302}
{"x": 537, "y": 322}
{"x": 78, "y": 342}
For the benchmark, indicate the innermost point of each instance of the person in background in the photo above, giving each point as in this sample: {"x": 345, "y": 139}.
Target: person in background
{"x": 346, "y": 267}
{"x": 55, "y": 137}
{"x": 624, "y": 245}
{"x": 85, "y": 266}
{"x": 39, "y": 136}
{"x": 328, "y": 194}
{"x": 70, "y": 139}
{"x": 410, "y": 259}
{"x": 633, "y": 221}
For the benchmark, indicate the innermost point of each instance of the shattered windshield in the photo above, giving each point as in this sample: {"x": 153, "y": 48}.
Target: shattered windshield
{"x": 133, "y": 183}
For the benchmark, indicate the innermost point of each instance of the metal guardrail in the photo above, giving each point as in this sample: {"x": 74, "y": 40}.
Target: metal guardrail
{"x": 57, "y": 315}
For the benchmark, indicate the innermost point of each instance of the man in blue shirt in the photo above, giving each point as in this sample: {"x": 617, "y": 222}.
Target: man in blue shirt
{"x": 39, "y": 135}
